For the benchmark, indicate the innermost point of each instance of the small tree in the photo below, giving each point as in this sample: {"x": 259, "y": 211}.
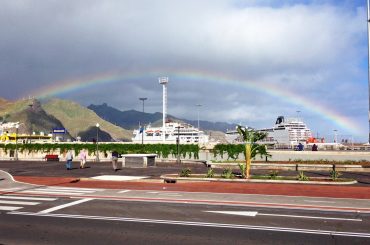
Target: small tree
{"x": 252, "y": 149}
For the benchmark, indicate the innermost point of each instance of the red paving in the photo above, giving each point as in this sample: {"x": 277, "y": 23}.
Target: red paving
{"x": 341, "y": 191}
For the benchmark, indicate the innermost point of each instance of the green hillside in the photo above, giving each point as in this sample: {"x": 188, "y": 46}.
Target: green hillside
{"x": 30, "y": 114}
{"x": 77, "y": 118}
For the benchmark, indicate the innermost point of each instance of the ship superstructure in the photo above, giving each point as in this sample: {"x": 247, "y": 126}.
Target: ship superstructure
{"x": 186, "y": 133}
{"x": 286, "y": 131}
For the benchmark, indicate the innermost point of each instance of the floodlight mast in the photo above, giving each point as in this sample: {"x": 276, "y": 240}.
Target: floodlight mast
{"x": 164, "y": 81}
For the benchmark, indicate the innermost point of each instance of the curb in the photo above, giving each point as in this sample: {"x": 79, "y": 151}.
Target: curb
{"x": 173, "y": 179}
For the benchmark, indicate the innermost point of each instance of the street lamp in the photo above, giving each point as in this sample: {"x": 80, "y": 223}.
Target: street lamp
{"x": 198, "y": 105}
{"x": 97, "y": 142}
{"x": 142, "y": 133}
{"x": 298, "y": 115}
{"x": 335, "y": 136}
{"x": 178, "y": 144}
{"x": 16, "y": 142}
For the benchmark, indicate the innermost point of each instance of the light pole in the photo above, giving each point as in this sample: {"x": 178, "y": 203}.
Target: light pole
{"x": 97, "y": 142}
{"x": 298, "y": 115}
{"x": 178, "y": 144}
{"x": 16, "y": 142}
{"x": 335, "y": 136}
{"x": 143, "y": 100}
{"x": 142, "y": 130}
{"x": 198, "y": 105}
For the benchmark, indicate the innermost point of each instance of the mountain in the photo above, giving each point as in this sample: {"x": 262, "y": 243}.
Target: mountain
{"x": 130, "y": 119}
{"x": 125, "y": 119}
{"x": 79, "y": 120}
{"x": 30, "y": 114}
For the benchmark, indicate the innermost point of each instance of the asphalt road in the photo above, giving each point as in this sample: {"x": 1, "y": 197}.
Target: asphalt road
{"x": 32, "y": 214}
{"x": 100, "y": 221}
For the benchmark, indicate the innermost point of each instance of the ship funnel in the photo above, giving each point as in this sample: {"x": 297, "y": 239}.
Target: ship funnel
{"x": 279, "y": 120}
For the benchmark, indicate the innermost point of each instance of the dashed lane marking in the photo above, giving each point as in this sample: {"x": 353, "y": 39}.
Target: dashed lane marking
{"x": 9, "y": 208}
{"x": 18, "y": 203}
{"x": 28, "y": 198}
{"x": 124, "y": 191}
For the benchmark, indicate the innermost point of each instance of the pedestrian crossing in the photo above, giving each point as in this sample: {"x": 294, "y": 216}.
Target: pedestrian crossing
{"x": 20, "y": 198}
{"x": 63, "y": 191}
{"x": 12, "y": 202}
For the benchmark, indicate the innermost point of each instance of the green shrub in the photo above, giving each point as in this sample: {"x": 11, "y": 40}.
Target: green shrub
{"x": 334, "y": 175}
{"x": 242, "y": 168}
{"x": 302, "y": 177}
{"x": 210, "y": 173}
{"x": 185, "y": 172}
{"x": 273, "y": 174}
{"x": 227, "y": 173}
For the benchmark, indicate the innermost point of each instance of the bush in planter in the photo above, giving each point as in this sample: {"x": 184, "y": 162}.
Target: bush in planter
{"x": 302, "y": 177}
{"x": 334, "y": 175}
{"x": 210, "y": 173}
{"x": 185, "y": 172}
{"x": 273, "y": 174}
{"x": 242, "y": 168}
{"x": 227, "y": 173}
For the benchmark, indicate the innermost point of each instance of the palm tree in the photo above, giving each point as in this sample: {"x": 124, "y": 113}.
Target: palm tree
{"x": 252, "y": 149}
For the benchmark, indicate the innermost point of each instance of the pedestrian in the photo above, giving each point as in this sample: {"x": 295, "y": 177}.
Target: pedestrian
{"x": 314, "y": 147}
{"x": 69, "y": 158}
{"x": 115, "y": 160}
{"x": 82, "y": 157}
{"x": 300, "y": 146}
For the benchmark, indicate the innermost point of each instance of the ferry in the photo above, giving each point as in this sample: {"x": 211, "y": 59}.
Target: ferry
{"x": 286, "y": 131}
{"x": 185, "y": 133}
{"x": 9, "y": 133}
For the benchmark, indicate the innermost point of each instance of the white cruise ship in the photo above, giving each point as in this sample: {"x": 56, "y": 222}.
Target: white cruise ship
{"x": 186, "y": 133}
{"x": 286, "y": 131}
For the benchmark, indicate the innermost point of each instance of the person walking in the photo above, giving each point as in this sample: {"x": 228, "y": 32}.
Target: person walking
{"x": 69, "y": 158}
{"x": 115, "y": 160}
{"x": 82, "y": 158}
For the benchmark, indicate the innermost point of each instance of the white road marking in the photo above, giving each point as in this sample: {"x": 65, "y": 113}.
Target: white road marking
{"x": 73, "y": 188}
{"x": 56, "y": 193}
{"x": 203, "y": 224}
{"x": 28, "y": 198}
{"x": 124, "y": 191}
{"x": 241, "y": 213}
{"x": 318, "y": 201}
{"x": 8, "y": 208}
{"x": 58, "y": 190}
{"x": 65, "y": 205}
{"x": 18, "y": 203}
{"x": 253, "y": 214}
{"x": 11, "y": 189}
{"x": 118, "y": 177}
{"x": 152, "y": 192}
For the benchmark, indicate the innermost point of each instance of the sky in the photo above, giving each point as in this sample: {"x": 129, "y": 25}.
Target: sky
{"x": 244, "y": 61}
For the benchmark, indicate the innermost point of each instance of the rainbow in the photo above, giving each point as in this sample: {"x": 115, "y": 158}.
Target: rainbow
{"x": 65, "y": 86}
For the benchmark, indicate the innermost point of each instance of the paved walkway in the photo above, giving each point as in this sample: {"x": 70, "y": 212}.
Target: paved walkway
{"x": 241, "y": 188}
